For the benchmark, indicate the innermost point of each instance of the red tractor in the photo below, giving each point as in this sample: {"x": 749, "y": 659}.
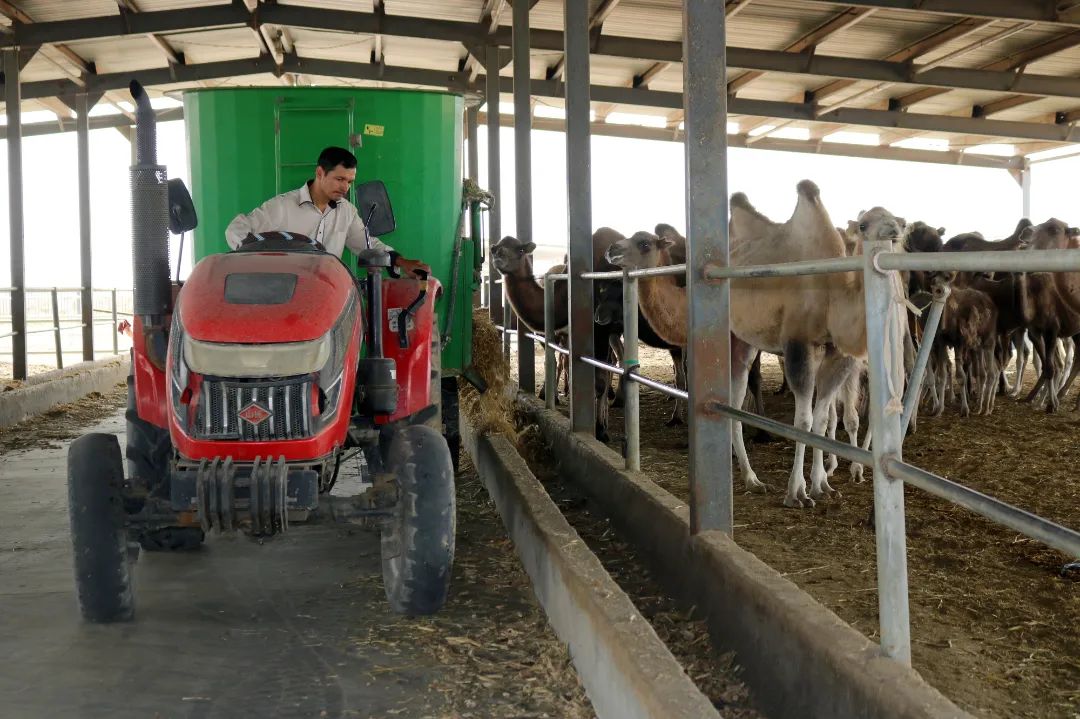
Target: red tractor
{"x": 251, "y": 383}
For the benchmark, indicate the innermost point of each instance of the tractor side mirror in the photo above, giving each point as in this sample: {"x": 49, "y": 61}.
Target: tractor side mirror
{"x": 182, "y": 217}
{"x": 373, "y": 204}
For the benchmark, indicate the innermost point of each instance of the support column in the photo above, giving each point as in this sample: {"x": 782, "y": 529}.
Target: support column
{"x": 523, "y": 175}
{"x": 82, "y": 130}
{"x": 884, "y": 341}
{"x": 579, "y": 208}
{"x": 472, "y": 116}
{"x": 709, "y": 350}
{"x": 495, "y": 300}
{"x": 13, "y": 99}
{"x": 1025, "y": 188}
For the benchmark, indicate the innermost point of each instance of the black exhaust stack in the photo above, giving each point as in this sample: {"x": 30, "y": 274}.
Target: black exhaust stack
{"x": 149, "y": 229}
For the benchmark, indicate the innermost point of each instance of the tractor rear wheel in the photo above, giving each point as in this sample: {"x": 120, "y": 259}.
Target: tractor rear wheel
{"x": 418, "y": 540}
{"x": 103, "y": 572}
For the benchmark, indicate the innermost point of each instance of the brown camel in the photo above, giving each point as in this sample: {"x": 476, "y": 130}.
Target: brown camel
{"x": 817, "y": 322}
{"x": 513, "y": 259}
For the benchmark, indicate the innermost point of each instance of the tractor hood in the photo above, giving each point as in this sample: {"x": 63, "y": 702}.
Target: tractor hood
{"x": 264, "y": 297}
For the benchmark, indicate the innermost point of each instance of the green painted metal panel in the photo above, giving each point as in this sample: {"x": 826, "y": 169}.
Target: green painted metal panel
{"x": 246, "y": 145}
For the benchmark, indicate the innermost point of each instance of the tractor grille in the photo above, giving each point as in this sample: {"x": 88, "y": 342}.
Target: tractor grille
{"x": 275, "y": 410}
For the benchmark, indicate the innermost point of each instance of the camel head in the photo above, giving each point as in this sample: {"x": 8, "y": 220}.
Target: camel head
{"x": 878, "y": 224}
{"x": 1050, "y": 235}
{"x": 921, "y": 237}
{"x": 511, "y": 256}
{"x": 641, "y": 251}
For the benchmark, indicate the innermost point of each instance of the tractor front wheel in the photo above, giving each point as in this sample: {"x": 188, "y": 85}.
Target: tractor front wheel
{"x": 418, "y": 540}
{"x": 103, "y": 572}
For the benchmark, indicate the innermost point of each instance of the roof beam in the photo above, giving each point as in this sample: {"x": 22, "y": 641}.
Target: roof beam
{"x": 20, "y": 18}
{"x": 596, "y": 26}
{"x": 98, "y": 122}
{"x": 646, "y": 77}
{"x": 808, "y": 42}
{"x": 1015, "y": 61}
{"x": 639, "y": 132}
{"x": 600, "y": 93}
{"x": 734, "y": 7}
{"x": 171, "y": 54}
{"x": 659, "y": 51}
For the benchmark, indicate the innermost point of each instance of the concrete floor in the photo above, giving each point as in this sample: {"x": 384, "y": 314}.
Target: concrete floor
{"x": 235, "y": 630}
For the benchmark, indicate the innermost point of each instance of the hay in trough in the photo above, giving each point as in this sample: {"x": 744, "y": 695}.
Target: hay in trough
{"x": 489, "y": 412}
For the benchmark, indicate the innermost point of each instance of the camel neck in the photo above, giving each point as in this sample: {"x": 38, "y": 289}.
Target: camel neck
{"x": 527, "y": 298}
{"x": 663, "y": 303}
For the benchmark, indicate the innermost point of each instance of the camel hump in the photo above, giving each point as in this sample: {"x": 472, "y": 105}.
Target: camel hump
{"x": 739, "y": 199}
{"x": 808, "y": 189}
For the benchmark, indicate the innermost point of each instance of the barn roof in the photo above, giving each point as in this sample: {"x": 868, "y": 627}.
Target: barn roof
{"x": 959, "y": 77}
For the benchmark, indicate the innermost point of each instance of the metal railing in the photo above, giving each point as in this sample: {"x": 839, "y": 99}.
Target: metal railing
{"x": 878, "y": 265}
{"x": 57, "y": 328}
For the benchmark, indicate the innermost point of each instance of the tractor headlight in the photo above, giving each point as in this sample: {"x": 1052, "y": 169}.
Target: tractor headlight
{"x": 330, "y": 379}
{"x": 179, "y": 393}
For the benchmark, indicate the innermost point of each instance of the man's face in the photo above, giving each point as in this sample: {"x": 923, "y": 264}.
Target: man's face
{"x": 335, "y": 184}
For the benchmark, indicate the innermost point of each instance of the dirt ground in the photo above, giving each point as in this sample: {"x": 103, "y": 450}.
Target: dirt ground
{"x": 489, "y": 654}
{"x": 64, "y": 421}
{"x": 995, "y": 624}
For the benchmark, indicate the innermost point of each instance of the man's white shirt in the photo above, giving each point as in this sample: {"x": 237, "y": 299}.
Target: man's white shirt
{"x": 338, "y": 227}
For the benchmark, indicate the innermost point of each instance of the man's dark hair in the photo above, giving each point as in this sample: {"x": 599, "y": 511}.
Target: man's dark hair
{"x": 331, "y": 157}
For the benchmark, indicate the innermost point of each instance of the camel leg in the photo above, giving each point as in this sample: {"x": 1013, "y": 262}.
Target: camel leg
{"x": 1074, "y": 369}
{"x": 1043, "y": 349}
{"x": 678, "y": 412}
{"x": 851, "y": 426}
{"x": 742, "y": 356}
{"x": 962, "y": 380}
{"x": 1018, "y": 344}
{"x": 992, "y": 399}
{"x": 801, "y": 364}
{"x": 834, "y": 371}
{"x": 784, "y": 387}
{"x": 832, "y": 462}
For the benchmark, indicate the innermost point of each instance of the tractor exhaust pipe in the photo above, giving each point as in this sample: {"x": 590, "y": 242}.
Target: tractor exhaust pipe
{"x": 149, "y": 229}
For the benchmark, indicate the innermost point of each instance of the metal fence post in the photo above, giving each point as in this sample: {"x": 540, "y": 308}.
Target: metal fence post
{"x": 708, "y": 330}
{"x": 523, "y": 175}
{"x": 56, "y": 329}
{"x": 551, "y": 375}
{"x": 884, "y": 338}
{"x": 491, "y": 96}
{"x": 13, "y": 102}
{"x": 82, "y": 121}
{"x": 115, "y": 333}
{"x": 507, "y": 320}
{"x": 579, "y": 216}
{"x": 631, "y": 406}
{"x": 914, "y": 390}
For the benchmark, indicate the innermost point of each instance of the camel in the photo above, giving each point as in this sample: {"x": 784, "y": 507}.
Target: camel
{"x": 513, "y": 259}
{"x": 817, "y": 322}
{"x": 968, "y": 324}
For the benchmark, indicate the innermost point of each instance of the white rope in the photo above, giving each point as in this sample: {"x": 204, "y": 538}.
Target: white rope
{"x": 894, "y": 338}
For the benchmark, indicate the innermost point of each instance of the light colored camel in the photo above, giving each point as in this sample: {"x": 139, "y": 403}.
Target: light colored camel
{"x": 817, "y": 322}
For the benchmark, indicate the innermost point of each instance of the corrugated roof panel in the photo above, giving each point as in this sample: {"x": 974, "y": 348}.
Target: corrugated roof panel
{"x": 460, "y": 10}
{"x": 214, "y": 46}
{"x": 357, "y": 5}
{"x": 49, "y": 10}
{"x": 654, "y": 19}
{"x": 349, "y": 47}
{"x": 121, "y": 54}
{"x": 428, "y": 54}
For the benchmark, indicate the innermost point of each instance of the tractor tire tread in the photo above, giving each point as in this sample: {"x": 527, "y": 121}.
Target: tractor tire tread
{"x": 103, "y": 576}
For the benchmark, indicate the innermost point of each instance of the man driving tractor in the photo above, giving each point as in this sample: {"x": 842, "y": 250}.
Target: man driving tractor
{"x": 320, "y": 211}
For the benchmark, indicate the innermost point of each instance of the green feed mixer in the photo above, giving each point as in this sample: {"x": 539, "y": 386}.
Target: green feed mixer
{"x": 248, "y": 144}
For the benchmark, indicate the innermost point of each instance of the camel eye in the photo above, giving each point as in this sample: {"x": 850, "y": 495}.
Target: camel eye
{"x": 643, "y": 246}
{"x": 862, "y": 227}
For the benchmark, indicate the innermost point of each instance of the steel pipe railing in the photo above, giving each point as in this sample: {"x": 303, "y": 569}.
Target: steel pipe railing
{"x": 884, "y": 328}
{"x": 1028, "y": 524}
{"x": 847, "y": 451}
{"x": 988, "y": 261}
{"x": 911, "y": 398}
{"x": 786, "y": 269}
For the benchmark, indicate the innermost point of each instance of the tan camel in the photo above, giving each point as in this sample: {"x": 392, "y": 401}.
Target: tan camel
{"x": 817, "y": 322}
